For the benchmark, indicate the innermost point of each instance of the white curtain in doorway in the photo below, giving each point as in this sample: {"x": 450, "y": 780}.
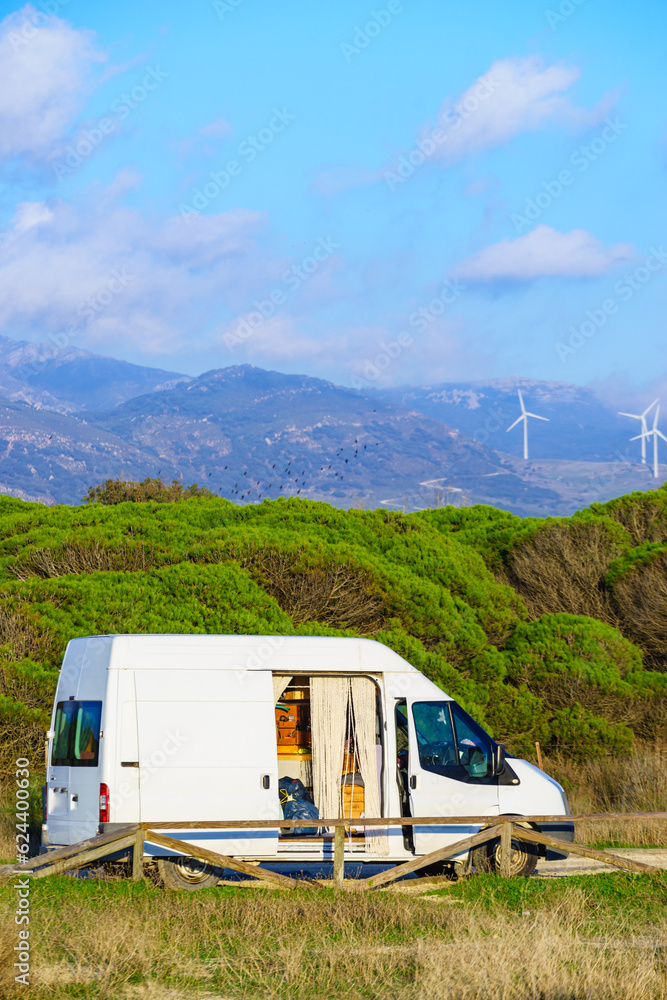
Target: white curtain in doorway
{"x": 362, "y": 698}
{"x": 329, "y": 697}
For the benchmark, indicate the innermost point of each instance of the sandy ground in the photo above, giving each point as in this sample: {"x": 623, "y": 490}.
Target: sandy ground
{"x": 575, "y": 865}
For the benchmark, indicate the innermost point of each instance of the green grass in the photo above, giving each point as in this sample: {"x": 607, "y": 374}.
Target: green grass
{"x": 641, "y": 898}
{"x": 501, "y": 939}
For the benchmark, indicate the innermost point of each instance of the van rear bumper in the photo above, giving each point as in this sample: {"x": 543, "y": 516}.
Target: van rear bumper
{"x": 562, "y": 829}
{"x": 123, "y": 855}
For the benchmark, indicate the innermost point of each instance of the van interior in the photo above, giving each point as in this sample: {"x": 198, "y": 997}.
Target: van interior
{"x": 330, "y": 751}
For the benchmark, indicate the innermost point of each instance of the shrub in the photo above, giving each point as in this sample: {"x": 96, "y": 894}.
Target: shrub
{"x": 114, "y": 491}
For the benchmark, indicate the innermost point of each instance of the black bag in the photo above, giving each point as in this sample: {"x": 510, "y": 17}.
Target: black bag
{"x": 301, "y": 809}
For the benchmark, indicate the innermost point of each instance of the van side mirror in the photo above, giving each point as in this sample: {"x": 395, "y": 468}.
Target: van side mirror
{"x": 498, "y": 758}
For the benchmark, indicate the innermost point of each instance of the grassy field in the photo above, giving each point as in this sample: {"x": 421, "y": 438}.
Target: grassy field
{"x": 598, "y": 936}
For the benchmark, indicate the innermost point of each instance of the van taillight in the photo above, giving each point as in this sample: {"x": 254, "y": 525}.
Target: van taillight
{"x": 104, "y": 803}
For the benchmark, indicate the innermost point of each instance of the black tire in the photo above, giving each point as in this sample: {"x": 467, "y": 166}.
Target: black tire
{"x": 187, "y": 874}
{"x": 434, "y": 870}
{"x": 486, "y": 858}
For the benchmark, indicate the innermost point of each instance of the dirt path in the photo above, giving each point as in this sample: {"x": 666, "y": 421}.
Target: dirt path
{"x": 575, "y": 865}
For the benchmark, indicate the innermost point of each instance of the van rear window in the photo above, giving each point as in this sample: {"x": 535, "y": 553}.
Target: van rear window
{"x": 76, "y": 741}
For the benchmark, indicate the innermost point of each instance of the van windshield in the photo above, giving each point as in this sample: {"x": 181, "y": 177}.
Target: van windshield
{"x": 76, "y": 741}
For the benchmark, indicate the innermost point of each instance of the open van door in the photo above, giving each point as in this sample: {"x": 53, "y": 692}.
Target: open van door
{"x": 207, "y": 751}
{"x": 449, "y": 769}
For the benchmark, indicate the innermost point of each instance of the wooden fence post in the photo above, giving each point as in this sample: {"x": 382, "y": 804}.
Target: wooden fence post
{"x": 339, "y": 856}
{"x": 138, "y": 857}
{"x": 505, "y": 848}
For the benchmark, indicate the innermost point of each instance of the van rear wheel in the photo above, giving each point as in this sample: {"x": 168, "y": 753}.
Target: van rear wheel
{"x": 187, "y": 873}
{"x": 523, "y": 859}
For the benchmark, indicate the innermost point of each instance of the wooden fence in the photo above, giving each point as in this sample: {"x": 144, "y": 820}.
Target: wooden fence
{"x": 506, "y": 828}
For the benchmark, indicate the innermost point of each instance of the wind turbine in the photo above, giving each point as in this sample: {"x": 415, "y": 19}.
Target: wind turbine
{"x": 655, "y": 434}
{"x": 645, "y": 431}
{"x": 524, "y": 416}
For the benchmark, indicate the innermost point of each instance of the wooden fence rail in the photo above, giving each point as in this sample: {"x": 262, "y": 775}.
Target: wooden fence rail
{"x": 507, "y": 828}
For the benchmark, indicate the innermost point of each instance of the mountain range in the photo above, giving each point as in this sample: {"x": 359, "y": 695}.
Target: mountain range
{"x": 70, "y": 419}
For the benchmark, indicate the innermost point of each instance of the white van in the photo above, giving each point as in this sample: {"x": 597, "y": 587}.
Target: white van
{"x": 171, "y": 728}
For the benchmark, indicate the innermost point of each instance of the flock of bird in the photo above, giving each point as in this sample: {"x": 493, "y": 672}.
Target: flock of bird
{"x": 293, "y": 481}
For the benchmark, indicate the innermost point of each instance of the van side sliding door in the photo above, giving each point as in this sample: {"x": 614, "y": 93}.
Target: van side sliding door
{"x": 207, "y": 751}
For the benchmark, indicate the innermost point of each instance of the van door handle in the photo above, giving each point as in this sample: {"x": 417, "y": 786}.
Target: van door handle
{"x": 75, "y": 798}
{"x": 413, "y": 781}
{"x": 266, "y": 781}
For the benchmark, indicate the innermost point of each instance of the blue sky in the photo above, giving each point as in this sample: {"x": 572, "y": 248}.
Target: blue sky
{"x": 411, "y": 191}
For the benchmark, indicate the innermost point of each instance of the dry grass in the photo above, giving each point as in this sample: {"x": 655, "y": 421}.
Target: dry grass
{"x": 74, "y": 557}
{"x": 636, "y": 783}
{"x": 562, "y": 568}
{"x": 336, "y": 594}
{"x": 97, "y": 940}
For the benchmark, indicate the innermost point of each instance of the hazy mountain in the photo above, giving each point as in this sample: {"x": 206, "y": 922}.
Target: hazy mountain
{"x": 50, "y": 456}
{"x": 247, "y": 434}
{"x": 69, "y": 380}
{"x": 580, "y": 426}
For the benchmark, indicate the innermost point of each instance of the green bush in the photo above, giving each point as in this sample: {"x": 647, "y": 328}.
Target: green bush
{"x": 435, "y": 586}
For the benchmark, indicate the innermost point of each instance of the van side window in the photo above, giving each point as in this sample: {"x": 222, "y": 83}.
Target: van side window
{"x": 475, "y": 750}
{"x": 76, "y": 741}
{"x": 435, "y": 737}
{"x": 450, "y": 743}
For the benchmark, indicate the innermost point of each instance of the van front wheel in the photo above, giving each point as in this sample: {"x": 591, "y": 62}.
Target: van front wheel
{"x": 187, "y": 873}
{"x": 523, "y": 859}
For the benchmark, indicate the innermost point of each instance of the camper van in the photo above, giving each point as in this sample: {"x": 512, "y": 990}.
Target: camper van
{"x": 190, "y": 728}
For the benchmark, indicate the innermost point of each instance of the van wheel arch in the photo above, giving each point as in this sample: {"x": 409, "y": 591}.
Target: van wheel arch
{"x": 523, "y": 862}
{"x": 187, "y": 874}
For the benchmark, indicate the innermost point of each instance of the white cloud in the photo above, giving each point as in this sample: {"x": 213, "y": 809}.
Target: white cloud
{"x": 122, "y": 282}
{"x": 217, "y": 129}
{"x": 544, "y": 252}
{"x": 29, "y": 214}
{"x": 46, "y": 68}
{"x": 514, "y": 96}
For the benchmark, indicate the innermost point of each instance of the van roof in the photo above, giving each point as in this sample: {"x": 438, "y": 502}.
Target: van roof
{"x": 278, "y": 653}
